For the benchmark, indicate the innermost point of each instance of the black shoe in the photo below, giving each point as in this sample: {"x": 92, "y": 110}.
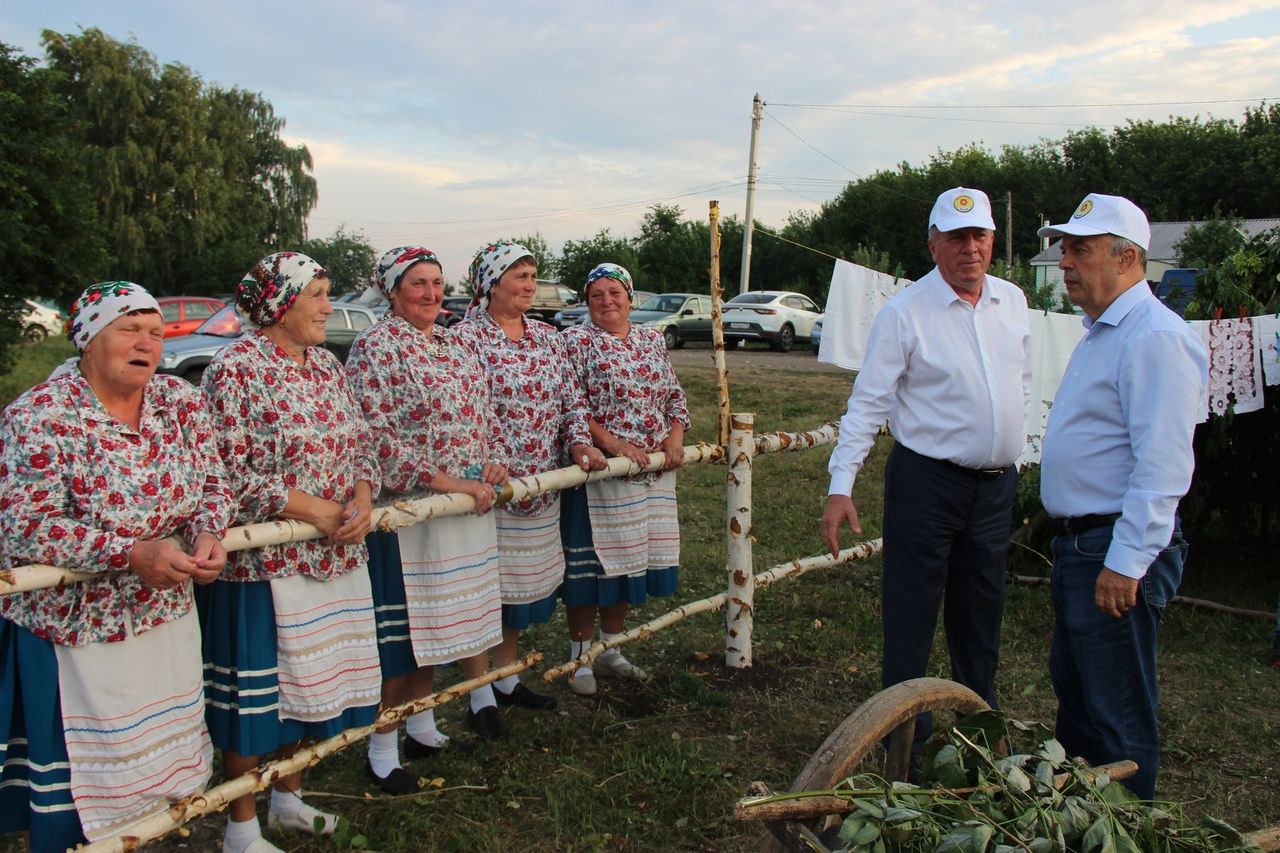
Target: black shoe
{"x": 415, "y": 749}
{"x": 487, "y": 723}
{"x": 398, "y": 781}
{"x": 523, "y": 697}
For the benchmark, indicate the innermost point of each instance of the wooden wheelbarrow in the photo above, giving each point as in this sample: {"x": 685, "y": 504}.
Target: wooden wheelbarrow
{"x": 805, "y": 825}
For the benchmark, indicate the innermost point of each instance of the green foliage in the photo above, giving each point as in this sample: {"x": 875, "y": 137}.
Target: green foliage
{"x": 579, "y": 257}
{"x": 193, "y": 183}
{"x": 536, "y": 243}
{"x": 994, "y": 784}
{"x": 1211, "y": 242}
{"x": 347, "y": 255}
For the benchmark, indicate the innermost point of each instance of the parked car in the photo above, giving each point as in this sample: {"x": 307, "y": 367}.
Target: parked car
{"x": 39, "y": 321}
{"x": 815, "y": 336}
{"x": 189, "y": 355}
{"x": 780, "y": 317}
{"x": 552, "y": 296}
{"x": 182, "y": 315}
{"x": 574, "y": 316}
{"x": 680, "y": 317}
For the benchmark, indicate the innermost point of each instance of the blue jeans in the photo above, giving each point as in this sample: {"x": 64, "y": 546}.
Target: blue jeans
{"x": 1103, "y": 668}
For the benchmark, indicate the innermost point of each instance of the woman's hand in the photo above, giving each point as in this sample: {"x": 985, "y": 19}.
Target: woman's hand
{"x": 630, "y": 451}
{"x": 161, "y": 564}
{"x": 483, "y": 493}
{"x": 210, "y": 557}
{"x": 588, "y": 458}
{"x": 673, "y": 447}
{"x": 357, "y": 517}
{"x": 495, "y": 474}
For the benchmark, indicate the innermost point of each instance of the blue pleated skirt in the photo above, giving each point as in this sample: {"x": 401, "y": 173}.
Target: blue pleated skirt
{"x": 585, "y": 582}
{"x": 521, "y": 616}
{"x": 390, "y": 612}
{"x": 35, "y": 779}
{"x": 238, "y": 621}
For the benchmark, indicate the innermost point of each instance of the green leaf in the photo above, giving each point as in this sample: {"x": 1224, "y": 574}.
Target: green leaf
{"x": 851, "y": 826}
{"x": 1099, "y": 837}
{"x": 1053, "y": 751}
{"x": 1116, "y": 794}
{"x": 1044, "y": 773}
{"x": 873, "y": 809}
{"x": 898, "y": 814}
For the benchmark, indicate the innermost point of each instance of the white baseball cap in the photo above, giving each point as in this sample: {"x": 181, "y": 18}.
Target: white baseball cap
{"x": 961, "y": 207}
{"x": 1105, "y": 214}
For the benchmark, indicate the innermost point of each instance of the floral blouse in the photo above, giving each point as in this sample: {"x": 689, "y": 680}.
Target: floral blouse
{"x": 284, "y": 426}
{"x": 631, "y": 389}
{"x": 427, "y": 402}
{"x": 536, "y": 398}
{"x": 79, "y": 487}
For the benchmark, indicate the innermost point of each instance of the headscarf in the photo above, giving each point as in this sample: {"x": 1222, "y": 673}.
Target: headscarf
{"x": 488, "y": 266}
{"x": 269, "y": 289}
{"x": 613, "y": 271}
{"x": 100, "y": 304}
{"x": 395, "y": 263}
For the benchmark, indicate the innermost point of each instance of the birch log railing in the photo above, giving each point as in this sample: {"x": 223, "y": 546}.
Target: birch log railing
{"x": 741, "y": 587}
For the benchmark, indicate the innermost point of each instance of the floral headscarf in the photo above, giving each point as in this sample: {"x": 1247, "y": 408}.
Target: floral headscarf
{"x": 613, "y": 271}
{"x": 102, "y": 303}
{"x": 488, "y": 266}
{"x": 270, "y": 288}
{"x": 394, "y": 264}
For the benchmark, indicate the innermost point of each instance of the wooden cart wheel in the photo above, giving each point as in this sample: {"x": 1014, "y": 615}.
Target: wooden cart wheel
{"x": 890, "y": 713}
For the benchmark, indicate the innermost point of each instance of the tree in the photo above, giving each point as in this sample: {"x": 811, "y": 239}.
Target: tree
{"x": 51, "y": 244}
{"x": 579, "y": 257}
{"x": 536, "y": 243}
{"x": 347, "y": 255}
{"x": 1210, "y": 243}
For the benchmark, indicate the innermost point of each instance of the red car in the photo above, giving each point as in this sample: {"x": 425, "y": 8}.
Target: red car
{"x": 182, "y": 315}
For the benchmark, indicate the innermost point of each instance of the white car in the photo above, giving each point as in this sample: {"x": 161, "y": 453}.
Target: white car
{"x": 39, "y": 321}
{"x": 780, "y": 317}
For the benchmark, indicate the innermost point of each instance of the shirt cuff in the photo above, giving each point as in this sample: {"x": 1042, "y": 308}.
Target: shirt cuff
{"x": 841, "y": 483}
{"x": 1127, "y": 561}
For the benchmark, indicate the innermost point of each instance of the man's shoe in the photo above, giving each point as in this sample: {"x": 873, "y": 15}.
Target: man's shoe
{"x": 398, "y": 781}
{"x": 523, "y": 697}
{"x": 619, "y": 667}
{"x": 487, "y": 723}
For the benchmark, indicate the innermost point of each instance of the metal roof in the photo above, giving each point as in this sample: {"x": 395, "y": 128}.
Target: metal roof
{"x": 1163, "y": 237}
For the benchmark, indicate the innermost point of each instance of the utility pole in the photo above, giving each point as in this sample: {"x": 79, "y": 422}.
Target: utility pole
{"x": 1008, "y": 231}
{"x": 744, "y": 281}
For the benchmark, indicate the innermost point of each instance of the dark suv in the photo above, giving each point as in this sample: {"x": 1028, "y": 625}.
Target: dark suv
{"x": 552, "y": 296}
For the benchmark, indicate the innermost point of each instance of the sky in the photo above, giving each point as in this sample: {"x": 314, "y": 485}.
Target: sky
{"x": 450, "y": 124}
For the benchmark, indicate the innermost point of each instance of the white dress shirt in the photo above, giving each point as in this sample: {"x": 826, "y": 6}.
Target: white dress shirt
{"x": 1119, "y": 433}
{"x": 953, "y": 379}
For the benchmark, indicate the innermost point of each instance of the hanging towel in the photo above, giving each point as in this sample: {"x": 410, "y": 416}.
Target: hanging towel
{"x": 856, "y": 294}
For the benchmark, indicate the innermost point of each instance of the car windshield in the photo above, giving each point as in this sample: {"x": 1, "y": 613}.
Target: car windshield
{"x": 751, "y": 299}
{"x": 224, "y": 324}
{"x": 665, "y": 303}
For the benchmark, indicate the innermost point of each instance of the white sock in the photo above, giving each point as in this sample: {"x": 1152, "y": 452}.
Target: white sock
{"x": 506, "y": 685}
{"x": 611, "y": 653}
{"x": 239, "y": 834}
{"x": 286, "y": 803}
{"x": 384, "y": 752}
{"x": 577, "y": 647}
{"x": 422, "y": 728}
{"x": 481, "y": 698}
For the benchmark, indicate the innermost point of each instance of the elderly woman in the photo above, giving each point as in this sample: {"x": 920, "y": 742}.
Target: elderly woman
{"x": 289, "y": 639}
{"x": 108, "y": 469}
{"x": 539, "y": 406}
{"x": 435, "y": 586}
{"x": 622, "y": 536}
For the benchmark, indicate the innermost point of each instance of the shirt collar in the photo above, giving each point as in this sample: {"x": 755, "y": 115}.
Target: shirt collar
{"x": 946, "y": 295}
{"x": 1122, "y": 305}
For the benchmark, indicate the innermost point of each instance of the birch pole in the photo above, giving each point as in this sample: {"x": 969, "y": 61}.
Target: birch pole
{"x": 391, "y": 517}
{"x": 742, "y": 585}
{"x": 717, "y": 329}
{"x": 160, "y": 823}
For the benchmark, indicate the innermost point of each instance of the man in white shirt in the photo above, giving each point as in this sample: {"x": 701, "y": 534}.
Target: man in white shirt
{"x": 1117, "y": 459}
{"x": 948, "y": 365}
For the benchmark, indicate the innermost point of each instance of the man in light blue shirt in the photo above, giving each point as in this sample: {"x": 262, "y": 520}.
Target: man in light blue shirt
{"x": 1117, "y": 459}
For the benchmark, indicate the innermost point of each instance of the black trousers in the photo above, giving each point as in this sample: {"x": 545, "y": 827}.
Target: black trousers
{"x": 946, "y": 538}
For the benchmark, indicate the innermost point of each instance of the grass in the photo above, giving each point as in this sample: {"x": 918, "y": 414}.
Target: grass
{"x": 658, "y": 766}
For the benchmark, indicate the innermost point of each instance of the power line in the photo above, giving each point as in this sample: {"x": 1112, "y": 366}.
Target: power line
{"x": 1023, "y": 106}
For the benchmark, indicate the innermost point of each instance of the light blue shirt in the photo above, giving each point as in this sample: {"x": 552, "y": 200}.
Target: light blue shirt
{"x": 953, "y": 379}
{"x": 1119, "y": 433}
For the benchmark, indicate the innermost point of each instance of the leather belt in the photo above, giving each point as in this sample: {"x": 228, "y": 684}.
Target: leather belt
{"x": 1079, "y": 524}
{"x": 976, "y": 473}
